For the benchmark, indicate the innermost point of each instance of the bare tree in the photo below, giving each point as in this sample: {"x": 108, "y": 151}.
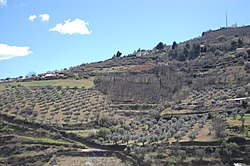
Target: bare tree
{"x": 218, "y": 124}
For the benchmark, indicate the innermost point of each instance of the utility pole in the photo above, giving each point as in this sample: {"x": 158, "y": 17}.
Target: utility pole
{"x": 226, "y": 19}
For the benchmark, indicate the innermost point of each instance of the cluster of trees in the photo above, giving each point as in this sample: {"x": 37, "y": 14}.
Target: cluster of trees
{"x": 236, "y": 44}
{"x": 160, "y": 83}
{"x": 151, "y": 129}
{"x": 224, "y": 154}
{"x": 143, "y": 88}
{"x": 187, "y": 52}
{"x": 228, "y": 151}
{"x": 53, "y": 104}
{"x": 191, "y": 50}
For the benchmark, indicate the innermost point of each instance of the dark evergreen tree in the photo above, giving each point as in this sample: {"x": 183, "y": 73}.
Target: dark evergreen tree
{"x": 196, "y": 49}
{"x": 174, "y": 45}
{"x": 118, "y": 54}
{"x": 160, "y": 46}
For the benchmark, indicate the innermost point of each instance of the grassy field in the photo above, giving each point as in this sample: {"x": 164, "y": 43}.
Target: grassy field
{"x": 83, "y": 133}
{"x": 170, "y": 111}
{"x": 87, "y": 83}
{"x": 44, "y": 140}
{"x": 237, "y": 122}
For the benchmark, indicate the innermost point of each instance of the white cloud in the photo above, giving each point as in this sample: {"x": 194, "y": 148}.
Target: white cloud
{"x": 44, "y": 17}
{"x": 3, "y": 2}
{"x": 32, "y": 17}
{"x": 77, "y": 26}
{"x": 7, "y": 52}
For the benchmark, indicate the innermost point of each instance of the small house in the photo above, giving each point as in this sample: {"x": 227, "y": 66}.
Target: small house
{"x": 49, "y": 76}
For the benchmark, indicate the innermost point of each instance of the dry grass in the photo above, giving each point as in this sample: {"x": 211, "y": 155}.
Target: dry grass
{"x": 141, "y": 67}
{"x": 132, "y": 111}
{"x": 111, "y": 69}
{"x": 82, "y": 161}
{"x": 170, "y": 111}
{"x": 203, "y": 133}
{"x": 201, "y": 136}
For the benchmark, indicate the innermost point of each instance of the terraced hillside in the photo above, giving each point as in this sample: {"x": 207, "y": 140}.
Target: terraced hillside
{"x": 184, "y": 104}
{"x": 52, "y": 104}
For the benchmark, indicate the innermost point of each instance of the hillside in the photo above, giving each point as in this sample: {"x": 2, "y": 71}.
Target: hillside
{"x": 185, "y": 103}
{"x": 208, "y": 61}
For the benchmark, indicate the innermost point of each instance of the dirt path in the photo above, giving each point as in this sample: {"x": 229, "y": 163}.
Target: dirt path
{"x": 93, "y": 150}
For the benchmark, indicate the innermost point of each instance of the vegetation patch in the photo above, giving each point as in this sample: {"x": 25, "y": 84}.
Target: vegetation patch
{"x": 87, "y": 83}
{"x": 83, "y": 133}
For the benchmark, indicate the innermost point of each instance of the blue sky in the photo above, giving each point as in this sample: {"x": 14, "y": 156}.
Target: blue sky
{"x": 47, "y": 35}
